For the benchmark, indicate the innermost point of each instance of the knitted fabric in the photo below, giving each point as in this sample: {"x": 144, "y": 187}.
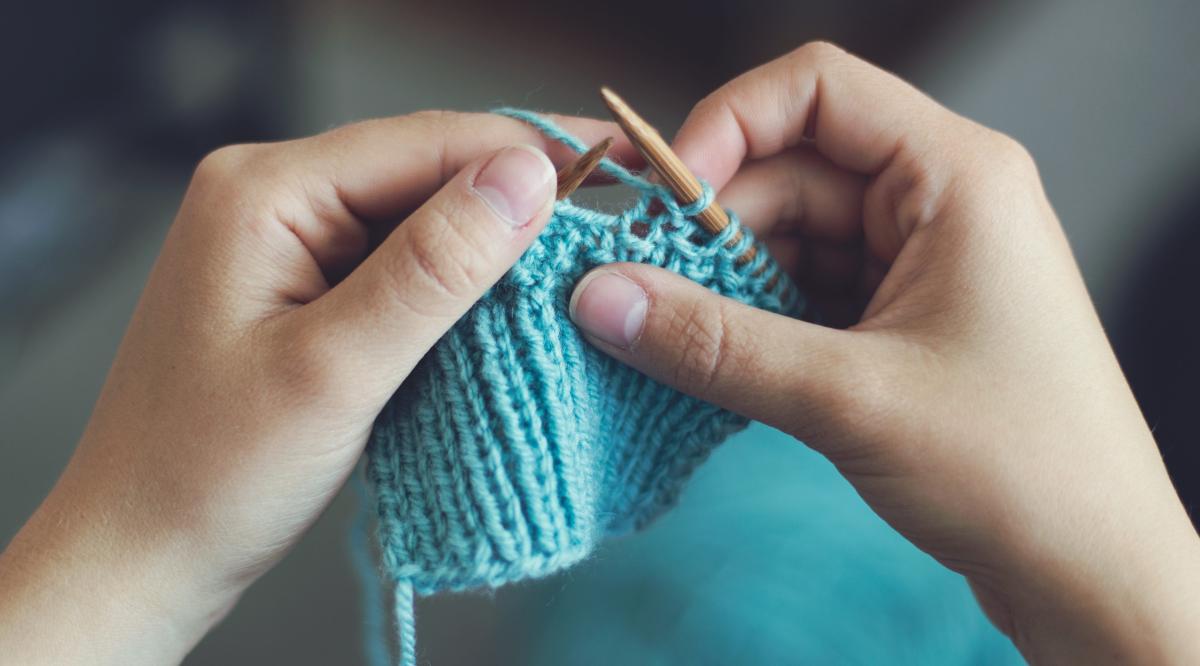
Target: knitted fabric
{"x": 515, "y": 447}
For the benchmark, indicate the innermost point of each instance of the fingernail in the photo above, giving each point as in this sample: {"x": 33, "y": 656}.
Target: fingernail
{"x": 516, "y": 183}
{"x": 610, "y": 307}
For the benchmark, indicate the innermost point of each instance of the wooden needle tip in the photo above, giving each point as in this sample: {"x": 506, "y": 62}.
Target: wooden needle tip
{"x": 572, "y": 176}
{"x": 609, "y": 96}
{"x": 624, "y": 114}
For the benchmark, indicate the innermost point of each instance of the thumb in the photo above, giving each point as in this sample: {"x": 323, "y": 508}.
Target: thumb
{"x": 436, "y": 264}
{"x": 789, "y": 374}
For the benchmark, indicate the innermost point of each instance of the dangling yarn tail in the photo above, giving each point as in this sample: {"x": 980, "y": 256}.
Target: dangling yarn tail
{"x": 375, "y": 646}
{"x": 406, "y": 624}
{"x": 374, "y": 643}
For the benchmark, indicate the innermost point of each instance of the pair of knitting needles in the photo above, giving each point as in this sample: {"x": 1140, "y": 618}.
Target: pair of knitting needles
{"x": 682, "y": 182}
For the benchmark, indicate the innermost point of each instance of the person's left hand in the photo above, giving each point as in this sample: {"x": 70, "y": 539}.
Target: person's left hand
{"x": 267, "y": 339}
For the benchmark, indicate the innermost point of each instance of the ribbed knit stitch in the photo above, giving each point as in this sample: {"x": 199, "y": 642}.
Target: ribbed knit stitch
{"x": 515, "y": 447}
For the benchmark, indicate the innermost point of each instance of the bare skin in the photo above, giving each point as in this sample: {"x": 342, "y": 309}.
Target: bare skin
{"x": 976, "y": 406}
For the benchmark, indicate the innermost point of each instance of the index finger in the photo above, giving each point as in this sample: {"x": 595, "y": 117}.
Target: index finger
{"x": 382, "y": 169}
{"x": 858, "y": 115}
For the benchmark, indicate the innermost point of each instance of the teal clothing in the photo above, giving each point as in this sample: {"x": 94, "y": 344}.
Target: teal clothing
{"x": 770, "y": 557}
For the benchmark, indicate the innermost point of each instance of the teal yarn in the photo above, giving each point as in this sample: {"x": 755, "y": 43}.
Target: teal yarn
{"x": 515, "y": 447}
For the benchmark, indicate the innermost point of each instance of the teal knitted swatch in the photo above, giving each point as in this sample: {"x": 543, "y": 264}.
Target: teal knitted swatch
{"x": 515, "y": 447}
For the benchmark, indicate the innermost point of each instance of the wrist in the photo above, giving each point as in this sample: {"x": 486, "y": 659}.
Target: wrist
{"x": 129, "y": 592}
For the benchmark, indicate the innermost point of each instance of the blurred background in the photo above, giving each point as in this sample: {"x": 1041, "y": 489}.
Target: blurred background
{"x": 110, "y": 105}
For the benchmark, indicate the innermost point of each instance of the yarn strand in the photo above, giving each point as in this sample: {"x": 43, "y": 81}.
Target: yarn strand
{"x": 406, "y": 623}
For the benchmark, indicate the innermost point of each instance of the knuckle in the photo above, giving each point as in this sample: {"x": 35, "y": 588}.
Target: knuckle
{"x": 702, "y": 334}
{"x": 263, "y": 188}
{"x": 244, "y": 173}
{"x": 224, "y": 164}
{"x": 226, "y": 189}
{"x": 819, "y": 51}
{"x": 1011, "y": 155}
{"x": 992, "y": 165}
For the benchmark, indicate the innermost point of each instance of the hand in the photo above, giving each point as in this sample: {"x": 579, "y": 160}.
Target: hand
{"x": 265, "y": 343}
{"x": 974, "y": 403}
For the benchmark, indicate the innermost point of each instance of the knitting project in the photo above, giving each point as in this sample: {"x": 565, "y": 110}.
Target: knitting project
{"x": 515, "y": 447}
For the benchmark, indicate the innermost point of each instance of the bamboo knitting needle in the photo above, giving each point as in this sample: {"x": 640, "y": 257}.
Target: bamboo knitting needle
{"x": 572, "y": 176}
{"x": 669, "y": 167}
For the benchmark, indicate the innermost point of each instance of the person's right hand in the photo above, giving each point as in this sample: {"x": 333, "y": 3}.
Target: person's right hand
{"x": 975, "y": 403}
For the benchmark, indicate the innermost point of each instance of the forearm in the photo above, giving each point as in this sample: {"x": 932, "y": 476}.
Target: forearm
{"x": 1130, "y": 592}
{"x": 1153, "y": 625}
{"x": 81, "y": 584}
